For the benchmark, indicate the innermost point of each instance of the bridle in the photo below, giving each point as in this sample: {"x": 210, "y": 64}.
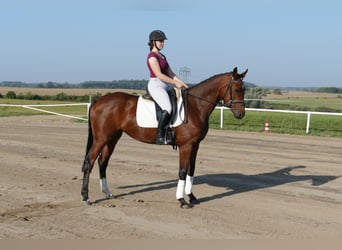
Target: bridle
{"x": 230, "y": 90}
{"x": 221, "y": 103}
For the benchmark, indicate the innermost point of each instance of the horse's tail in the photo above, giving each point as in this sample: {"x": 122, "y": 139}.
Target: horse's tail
{"x": 90, "y": 132}
{"x": 86, "y": 166}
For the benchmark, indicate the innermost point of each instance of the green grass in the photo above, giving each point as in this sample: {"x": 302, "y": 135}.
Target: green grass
{"x": 19, "y": 111}
{"x": 315, "y": 102}
{"x": 286, "y": 123}
{"x": 309, "y": 103}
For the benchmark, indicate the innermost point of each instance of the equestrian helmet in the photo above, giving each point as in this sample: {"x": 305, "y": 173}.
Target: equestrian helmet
{"x": 157, "y": 35}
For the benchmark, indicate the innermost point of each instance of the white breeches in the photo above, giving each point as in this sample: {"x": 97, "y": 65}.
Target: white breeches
{"x": 158, "y": 90}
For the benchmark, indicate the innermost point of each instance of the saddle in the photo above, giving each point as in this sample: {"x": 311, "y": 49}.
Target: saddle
{"x": 148, "y": 113}
{"x": 174, "y": 96}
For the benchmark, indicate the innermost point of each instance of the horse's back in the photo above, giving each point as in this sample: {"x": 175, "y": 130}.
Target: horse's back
{"x": 115, "y": 100}
{"x": 113, "y": 106}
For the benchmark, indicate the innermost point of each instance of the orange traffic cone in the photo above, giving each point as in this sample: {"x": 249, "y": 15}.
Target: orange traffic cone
{"x": 267, "y": 128}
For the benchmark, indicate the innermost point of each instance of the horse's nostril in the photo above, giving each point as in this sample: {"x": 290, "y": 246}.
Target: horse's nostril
{"x": 241, "y": 115}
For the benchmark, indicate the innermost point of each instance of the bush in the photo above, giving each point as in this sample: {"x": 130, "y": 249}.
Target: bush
{"x": 11, "y": 95}
{"x": 277, "y": 92}
{"x": 324, "y": 109}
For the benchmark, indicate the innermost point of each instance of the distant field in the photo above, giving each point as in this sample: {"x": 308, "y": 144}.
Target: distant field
{"x": 73, "y": 110}
{"x": 295, "y": 94}
{"x": 310, "y": 100}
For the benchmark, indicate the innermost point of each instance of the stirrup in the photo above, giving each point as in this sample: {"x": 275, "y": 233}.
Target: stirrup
{"x": 164, "y": 140}
{"x": 160, "y": 141}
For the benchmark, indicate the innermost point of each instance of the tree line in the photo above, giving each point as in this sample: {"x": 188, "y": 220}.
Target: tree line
{"x": 115, "y": 84}
{"x": 126, "y": 84}
{"x": 332, "y": 90}
{"x": 58, "y": 97}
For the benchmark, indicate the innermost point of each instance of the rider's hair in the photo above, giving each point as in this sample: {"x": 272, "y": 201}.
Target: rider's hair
{"x": 151, "y": 45}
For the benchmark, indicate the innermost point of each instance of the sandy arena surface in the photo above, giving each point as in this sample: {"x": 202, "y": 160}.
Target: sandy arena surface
{"x": 251, "y": 185}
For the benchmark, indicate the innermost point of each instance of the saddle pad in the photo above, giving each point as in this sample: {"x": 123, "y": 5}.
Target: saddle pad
{"x": 146, "y": 113}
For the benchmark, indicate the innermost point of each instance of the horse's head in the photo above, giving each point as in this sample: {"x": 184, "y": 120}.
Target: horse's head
{"x": 233, "y": 93}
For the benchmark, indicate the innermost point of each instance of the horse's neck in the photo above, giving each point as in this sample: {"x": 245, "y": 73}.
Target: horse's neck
{"x": 209, "y": 89}
{"x": 206, "y": 93}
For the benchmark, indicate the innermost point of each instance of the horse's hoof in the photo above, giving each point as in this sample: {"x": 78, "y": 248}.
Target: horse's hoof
{"x": 86, "y": 202}
{"x": 184, "y": 204}
{"x": 193, "y": 200}
{"x": 110, "y": 196}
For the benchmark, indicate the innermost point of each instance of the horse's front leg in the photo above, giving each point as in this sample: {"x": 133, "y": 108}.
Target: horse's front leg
{"x": 187, "y": 158}
{"x": 191, "y": 175}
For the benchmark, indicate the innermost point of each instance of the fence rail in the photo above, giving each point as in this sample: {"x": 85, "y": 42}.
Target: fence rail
{"x": 308, "y": 113}
{"x": 35, "y": 107}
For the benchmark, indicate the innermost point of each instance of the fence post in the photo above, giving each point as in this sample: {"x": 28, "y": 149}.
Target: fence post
{"x": 88, "y": 106}
{"x": 308, "y": 122}
{"x": 221, "y": 122}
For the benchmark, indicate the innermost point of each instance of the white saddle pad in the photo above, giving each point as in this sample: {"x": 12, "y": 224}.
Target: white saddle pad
{"x": 146, "y": 113}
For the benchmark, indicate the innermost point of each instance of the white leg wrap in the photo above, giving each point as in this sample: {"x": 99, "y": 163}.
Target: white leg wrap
{"x": 180, "y": 189}
{"x": 104, "y": 188}
{"x": 188, "y": 184}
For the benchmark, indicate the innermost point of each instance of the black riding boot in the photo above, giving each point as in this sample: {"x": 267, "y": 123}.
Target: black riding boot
{"x": 163, "y": 122}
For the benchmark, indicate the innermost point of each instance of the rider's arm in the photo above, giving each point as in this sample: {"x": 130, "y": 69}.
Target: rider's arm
{"x": 170, "y": 78}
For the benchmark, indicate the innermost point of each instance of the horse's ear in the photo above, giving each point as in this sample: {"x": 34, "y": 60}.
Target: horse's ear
{"x": 244, "y": 73}
{"x": 235, "y": 72}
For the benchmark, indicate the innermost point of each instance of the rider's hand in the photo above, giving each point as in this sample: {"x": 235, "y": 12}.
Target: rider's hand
{"x": 181, "y": 85}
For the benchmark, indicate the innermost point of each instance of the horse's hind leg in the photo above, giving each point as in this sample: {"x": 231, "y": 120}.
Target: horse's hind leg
{"x": 103, "y": 163}
{"x": 86, "y": 169}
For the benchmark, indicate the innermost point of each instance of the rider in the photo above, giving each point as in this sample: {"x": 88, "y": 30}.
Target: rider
{"x": 161, "y": 79}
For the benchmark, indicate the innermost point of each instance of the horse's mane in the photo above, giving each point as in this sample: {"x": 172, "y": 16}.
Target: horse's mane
{"x": 209, "y": 79}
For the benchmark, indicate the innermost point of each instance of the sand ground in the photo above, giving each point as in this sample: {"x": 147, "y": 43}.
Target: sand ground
{"x": 251, "y": 186}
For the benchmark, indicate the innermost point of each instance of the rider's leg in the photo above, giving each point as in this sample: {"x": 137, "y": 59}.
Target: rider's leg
{"x": 158, "y": 91}
{"x": 163, "y": 122}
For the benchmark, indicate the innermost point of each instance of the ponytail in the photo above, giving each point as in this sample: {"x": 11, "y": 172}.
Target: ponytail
{"x": 151, "y": 45}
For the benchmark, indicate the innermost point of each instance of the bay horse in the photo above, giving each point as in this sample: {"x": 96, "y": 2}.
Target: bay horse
{"x": 115, "y": 113}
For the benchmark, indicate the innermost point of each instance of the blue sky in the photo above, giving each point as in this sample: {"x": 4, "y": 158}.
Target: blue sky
{"x": 282, "y": 43}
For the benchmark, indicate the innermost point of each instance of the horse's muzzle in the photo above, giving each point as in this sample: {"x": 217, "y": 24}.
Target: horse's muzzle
{"x": 239, "y": 116}
{"x": 239, "y": 113}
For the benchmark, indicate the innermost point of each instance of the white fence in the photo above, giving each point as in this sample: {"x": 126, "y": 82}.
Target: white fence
{"x": 308, "y": 113}
{"x": 35, "y": 107}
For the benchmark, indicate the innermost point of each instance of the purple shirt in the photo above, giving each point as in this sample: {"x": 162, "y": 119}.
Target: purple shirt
{"x": 163, "y": 64}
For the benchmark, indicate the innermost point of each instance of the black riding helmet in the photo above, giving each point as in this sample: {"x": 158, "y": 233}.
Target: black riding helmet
{"x": 157, "y": 35}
